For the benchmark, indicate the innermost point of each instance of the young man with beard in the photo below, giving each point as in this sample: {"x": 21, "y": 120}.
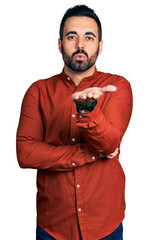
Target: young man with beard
{"x": 70, "y": 129}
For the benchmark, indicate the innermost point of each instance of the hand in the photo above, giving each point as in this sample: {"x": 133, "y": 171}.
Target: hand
{"x": 112, "y": 155}
{"x": 90, "y": 95}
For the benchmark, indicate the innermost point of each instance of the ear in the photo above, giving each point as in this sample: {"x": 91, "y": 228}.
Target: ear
{"x": 100, "y": 47}
{"x": 60, "y": 45}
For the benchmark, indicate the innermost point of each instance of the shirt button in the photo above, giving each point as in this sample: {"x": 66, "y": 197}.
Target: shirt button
{"x": 78, "y": 186}
{"x": 93, "y": 158}
{"x": 73, "y": 164}
{"x": 68, "y": 78}
{"x": 73, "y": 115}
{"x": 79, "y": 209}
{"x": 73, "y": 139}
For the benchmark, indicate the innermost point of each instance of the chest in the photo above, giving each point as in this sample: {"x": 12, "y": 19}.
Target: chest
{"x": 59, "y": 112}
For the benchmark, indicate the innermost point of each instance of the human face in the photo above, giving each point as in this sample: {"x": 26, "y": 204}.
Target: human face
{"x": 80, "y": 46}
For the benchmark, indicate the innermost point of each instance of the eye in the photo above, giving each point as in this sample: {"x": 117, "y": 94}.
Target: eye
{"x": 72, "y": 37}
{"x": 89, "y": 38}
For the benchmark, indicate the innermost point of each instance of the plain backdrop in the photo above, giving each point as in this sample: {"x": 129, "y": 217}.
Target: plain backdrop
{"x": 28, "y": 51}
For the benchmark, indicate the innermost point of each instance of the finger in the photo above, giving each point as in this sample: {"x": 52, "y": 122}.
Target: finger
{"x": 109, "y": 88}
{"x": 95, "y": 96}
{"x": 89, "y": 95}
{"x": 83, "y": 96}
{"x": 75, "y": 96}
{"x": 112, "y": 155}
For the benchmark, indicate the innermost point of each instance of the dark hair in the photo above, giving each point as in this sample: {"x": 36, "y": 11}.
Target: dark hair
{"x": 80, "y": 10}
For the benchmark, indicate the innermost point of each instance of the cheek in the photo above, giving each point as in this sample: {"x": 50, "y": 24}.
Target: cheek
{"x": 95, "y": 48}
{"x": 92, "y": 50}
{"x": 69, "y": 48}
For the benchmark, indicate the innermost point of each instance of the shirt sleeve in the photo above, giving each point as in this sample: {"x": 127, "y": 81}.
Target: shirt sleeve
{"x": 33, "y": 152}
{"x": 104, "y": 129}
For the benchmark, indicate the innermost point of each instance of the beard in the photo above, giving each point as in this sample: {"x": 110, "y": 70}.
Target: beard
{"x": 77, "y": 65}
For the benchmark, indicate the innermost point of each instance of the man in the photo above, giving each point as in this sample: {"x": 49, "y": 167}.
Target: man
{"x": 70, "y": 129}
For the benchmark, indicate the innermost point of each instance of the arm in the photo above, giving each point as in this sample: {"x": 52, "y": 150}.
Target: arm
{"x": 104, "y": 129}
{"x": 33, "y": 152}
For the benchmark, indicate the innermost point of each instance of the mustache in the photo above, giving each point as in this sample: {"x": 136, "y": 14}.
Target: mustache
{"x": 79, "y": 51}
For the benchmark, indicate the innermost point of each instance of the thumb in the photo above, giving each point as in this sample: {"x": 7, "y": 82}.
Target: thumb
{"x": 109, "y": 88}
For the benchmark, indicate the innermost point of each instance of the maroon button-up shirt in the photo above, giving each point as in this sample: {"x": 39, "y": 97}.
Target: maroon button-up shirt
{"x": 80, "y": 195}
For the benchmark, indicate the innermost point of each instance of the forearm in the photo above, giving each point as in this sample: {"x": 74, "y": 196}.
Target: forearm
{"x": 103, "y": 136}
{"x": 41, "y": 155}
{"x": 34, "y": 152}
{"x": 104, "y": 127}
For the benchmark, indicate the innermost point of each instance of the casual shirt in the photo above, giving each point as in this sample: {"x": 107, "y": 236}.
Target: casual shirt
{"x": 80, "y": 192}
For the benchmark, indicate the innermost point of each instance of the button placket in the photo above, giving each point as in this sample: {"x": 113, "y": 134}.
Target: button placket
{"x": 73, "y": 127}
{"x": 80, "y": 202}
{"x": 78, "y": 183}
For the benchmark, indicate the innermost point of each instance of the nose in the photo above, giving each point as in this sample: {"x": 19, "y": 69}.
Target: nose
{"x": 79, "y": 44}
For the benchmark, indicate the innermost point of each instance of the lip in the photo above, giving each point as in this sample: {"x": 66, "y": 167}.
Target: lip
{"x": 80, "y": 56}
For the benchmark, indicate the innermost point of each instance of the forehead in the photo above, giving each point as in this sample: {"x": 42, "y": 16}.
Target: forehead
{"x": 83, "y": 24}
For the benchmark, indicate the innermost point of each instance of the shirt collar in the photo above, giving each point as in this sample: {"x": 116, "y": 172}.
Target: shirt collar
{"x": 65, "y": 77}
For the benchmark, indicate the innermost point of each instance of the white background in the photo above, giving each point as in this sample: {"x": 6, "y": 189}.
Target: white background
{"x": 28, "y": 51}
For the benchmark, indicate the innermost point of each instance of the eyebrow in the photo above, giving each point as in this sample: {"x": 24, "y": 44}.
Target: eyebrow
{"x": 71, "y": 32}
{"x": 87, "y": 33}
{"x": 90, "y": 33}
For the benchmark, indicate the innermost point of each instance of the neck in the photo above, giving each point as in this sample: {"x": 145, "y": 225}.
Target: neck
{"x": 78, "y": 76}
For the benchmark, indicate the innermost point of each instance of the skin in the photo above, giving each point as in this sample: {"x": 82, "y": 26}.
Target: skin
{"x": 80, "y": 41}
{"x": 81, "y": 34}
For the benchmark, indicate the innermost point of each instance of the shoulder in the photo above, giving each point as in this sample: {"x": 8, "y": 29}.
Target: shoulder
{"x": 38, "y": 87}
{"x": 112, "y": 79}
{"x": 119, "y": 81}
{"x": 47, "y": 81}
{"x": 42, "y": 83}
